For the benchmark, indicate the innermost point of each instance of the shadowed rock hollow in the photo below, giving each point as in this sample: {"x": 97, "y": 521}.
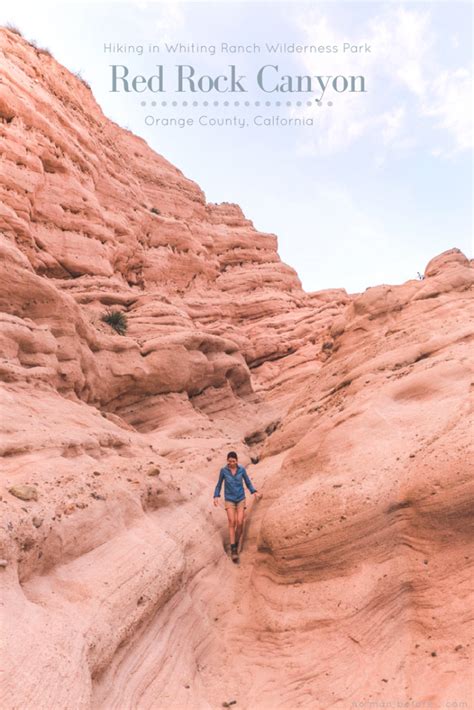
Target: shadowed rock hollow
{"x": 354, "y": 410}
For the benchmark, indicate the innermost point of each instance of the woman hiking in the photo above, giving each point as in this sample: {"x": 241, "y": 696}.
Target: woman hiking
{"x": 234, "y": 498}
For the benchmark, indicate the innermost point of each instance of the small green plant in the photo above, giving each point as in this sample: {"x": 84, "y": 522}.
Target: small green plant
{"x": 155, "y": 210}
{"x": 117, "y": 320}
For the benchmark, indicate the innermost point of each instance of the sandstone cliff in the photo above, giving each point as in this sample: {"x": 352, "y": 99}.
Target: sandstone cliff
{"x": 354, "y": 411}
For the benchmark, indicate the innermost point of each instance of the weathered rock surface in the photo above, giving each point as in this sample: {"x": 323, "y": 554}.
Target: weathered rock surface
{"x": 355, "y": 573}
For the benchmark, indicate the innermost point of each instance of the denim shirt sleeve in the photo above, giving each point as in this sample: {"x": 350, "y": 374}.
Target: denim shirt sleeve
{"x": 217, "y": 491}
{"x": 248, "y": 482}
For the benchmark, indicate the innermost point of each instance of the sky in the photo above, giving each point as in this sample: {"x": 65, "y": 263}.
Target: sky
{"x": 381, "y": 181}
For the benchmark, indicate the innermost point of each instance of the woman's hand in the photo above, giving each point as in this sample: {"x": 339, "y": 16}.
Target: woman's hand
{"x": 216, "y": 502}
{"x": 258, "y": 495}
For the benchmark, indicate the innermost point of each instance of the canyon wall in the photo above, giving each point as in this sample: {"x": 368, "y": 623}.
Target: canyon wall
{"x": 351, "y": 413}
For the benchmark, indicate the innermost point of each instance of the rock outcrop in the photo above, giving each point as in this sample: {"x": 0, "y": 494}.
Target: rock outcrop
{"x": 350, "y": 411}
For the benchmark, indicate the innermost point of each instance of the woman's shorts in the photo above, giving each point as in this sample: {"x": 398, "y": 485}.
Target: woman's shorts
{"x": 236, "y": 506}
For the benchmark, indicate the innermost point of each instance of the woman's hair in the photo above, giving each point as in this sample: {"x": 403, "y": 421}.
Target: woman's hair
{"x": 231, "y": 455}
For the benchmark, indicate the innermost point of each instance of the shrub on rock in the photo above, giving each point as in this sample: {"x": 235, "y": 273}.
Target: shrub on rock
{"x": 117, "y": 320}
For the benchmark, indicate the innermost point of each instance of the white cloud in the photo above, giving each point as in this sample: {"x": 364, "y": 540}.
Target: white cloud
{"x": 170, "y": 20}
{"x": 406, "y": 82}
{"x": 451, "y": 103}
{"x": 393, "y": 122}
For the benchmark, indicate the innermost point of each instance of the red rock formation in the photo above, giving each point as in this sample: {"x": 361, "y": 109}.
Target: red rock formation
{"x": 116, "y": 591}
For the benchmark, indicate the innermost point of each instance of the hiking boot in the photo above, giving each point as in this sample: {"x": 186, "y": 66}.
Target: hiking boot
{"x": 233, "y": 552}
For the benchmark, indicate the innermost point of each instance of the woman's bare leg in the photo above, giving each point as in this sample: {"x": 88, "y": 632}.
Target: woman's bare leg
{"x": 239, "y": 523}
{"x": 231, "y": 520}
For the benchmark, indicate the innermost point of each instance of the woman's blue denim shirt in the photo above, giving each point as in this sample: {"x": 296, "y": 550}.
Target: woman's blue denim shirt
{"x": 233, "y": 484}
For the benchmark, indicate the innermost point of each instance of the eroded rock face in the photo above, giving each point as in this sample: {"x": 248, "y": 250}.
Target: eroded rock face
{"x": 370, "y": 515}
{"x": 356, "y": 408}
{"x": 110, "y": 223}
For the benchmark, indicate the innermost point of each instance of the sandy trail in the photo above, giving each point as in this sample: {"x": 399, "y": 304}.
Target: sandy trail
{"x": 201, "y": 643}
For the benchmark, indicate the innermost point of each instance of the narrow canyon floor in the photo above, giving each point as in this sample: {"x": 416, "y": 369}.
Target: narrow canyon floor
{"x": 207, "y": 646}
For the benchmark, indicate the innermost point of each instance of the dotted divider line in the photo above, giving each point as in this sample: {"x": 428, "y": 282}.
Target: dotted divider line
{"x": 235, "y": 103}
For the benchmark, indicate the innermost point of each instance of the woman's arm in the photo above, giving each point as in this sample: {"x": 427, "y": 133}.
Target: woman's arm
{"x": 217, "y": 491}
{"x": 248, "y": 482}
